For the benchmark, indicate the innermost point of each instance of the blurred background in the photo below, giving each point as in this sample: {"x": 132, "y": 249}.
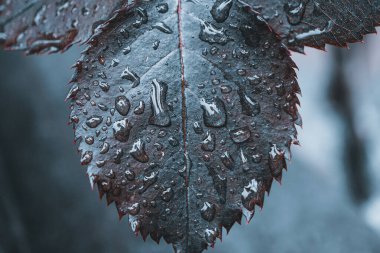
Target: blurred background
{"x": 329, "y": 200}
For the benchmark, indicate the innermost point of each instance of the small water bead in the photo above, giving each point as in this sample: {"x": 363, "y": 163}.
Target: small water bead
{"x": 110, "y": 174}
{"x": 241, "y": 72}
{"x": 162, "y": 7}
{"x": 276, "y": 161}
{"x": 214, "y": 50}
{"x": 73, "y": 92}
{"x": 225, "y": 89}
{"x": 127, "y": 50}
{"x": 124, "y": 32}
{"x": 102, "y": 107}
{"x": 254, "y": 80}
{"x": 86, "y": 158}
{"x": 214, "y": 113}
{"x": 167, "y": 194}
{"x": 131, "y": 76}
{"x": 161, "y": 26}
{"x": 210, "y": 236}
{"x": 208, "y": 143}
{"x": 208, "y": 211}
{"x": 215, "y": 81}
{"x": 211, "y": 34}
{"x": 89, "y": 140}
{"x": 156, "y": 44}
{"x": 221, "y": 10}
{"x": 143, "y": 17}
{"x": 105, "y": 148}
{"x": 115, "y": 62}
{"x": 140, "y": 108}
{"x": 138, "y": 151}
{"x": 197, "y": 127}
{"x": 122, "y": 105}
{"x": 94, "y": 121}
{"x": 173, "y": 141}
{"x": 130, "y": 175}
{"x": 121, "y": 130}
{"x": 100, "y": 164}
{"x": 240, "y": 135}
{"x": 227, "y": 160}
{"x": 257, "y": 158}
{"x": 134, "y": 209}
{"x": 161, "y": 134}
{"x": 249, "y": 106}
{"x": 295, "y": 11}
{"x": 104, "y": 86}
{"x": 148, "y": 181}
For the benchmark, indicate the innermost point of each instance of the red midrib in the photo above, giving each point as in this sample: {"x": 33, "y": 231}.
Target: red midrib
{"x": 184, "y": 115}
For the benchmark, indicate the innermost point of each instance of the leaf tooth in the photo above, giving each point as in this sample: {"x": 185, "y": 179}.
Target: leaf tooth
{"x": 156, "y": 236}
{"x": 230, "y": 217}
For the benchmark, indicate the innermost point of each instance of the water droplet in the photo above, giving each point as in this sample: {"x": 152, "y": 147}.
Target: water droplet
{"x": 254, "y": 80}
{"x": 73, "y": 92}
{"x": 221, "y": 10}
{"x": 134, "y": 209}
{"x": 214, "y": 113}
{"x": 160, "y": 115}
{"x": 240, "y": 135}
{"x": 225, "y": 89}
{"x": 130, "y": 175}
{"x": 143, "y": 17}
{"x": 127, "y": 50}
{"x": 208, "y": 144}
{"x": 227, "y": 160}
{"x": 208, "y": 211}
{"x": 249, "y": 195}
{"x": 161, "y": 26}
{"x": 138, "y": 151}
{"x": 131, "y": 76}
{"x": 86, "y": 158}
{"x": 89, "y": 140}
{"x": 162, "y": 7}
{"x": 220, "y": 184}
{"x": 148, "y": 181}
{"x": 295, "y": 11}
{"x": 122, "y": 105}
{"x": 173, "y": 141}
{"x": 121, "y": 130}
{"x": 94, "y": 121}
{"x": 104, "y": 86}
{"x": 211, "y": 34}
{"x": 249, "y": 106}
{"x": 156, "y": 44}
{"x": 210, "y": 236}
{"x": 276, "y": 162}
{"x": 167, "y": 195}
{"x": 197, "y": 127}
{"x": 105, "y": 148}
{"x": 140, "y": 108}
{"x": 115, "y": 62}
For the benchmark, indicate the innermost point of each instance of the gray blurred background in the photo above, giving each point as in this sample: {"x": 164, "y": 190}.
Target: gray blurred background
{"x": 329, "y": 200}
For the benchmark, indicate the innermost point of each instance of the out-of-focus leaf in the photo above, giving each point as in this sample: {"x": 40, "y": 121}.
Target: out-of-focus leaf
{"x": 185, "y": 114}
{"x": 318, "y": 22}
{"x": 51, "y": 26}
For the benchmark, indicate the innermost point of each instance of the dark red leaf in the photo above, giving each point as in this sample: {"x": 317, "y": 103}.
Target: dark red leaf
{"x": 185, "y": 115}
{"x": 316, "y": 23}
{"x": 51, "y": 26}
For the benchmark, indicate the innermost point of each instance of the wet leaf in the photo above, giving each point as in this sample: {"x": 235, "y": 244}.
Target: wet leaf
{"x": 51, "y": 26}
{"x": 315, "y": 23}
{"x": 185, "y": 111}
{"x": 201, "y": 110}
